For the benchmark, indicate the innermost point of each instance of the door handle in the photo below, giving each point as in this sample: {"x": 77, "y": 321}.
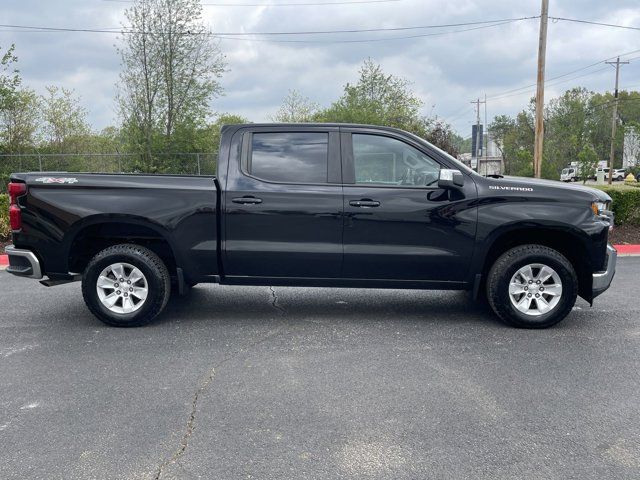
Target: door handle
{"x": 247, "y": 200}
{"x": 365, "y": 202}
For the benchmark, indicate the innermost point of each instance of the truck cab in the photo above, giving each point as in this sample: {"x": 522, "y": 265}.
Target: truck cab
{"x": 569, "y": 174}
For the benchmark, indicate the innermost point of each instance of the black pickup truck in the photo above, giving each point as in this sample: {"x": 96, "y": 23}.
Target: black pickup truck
{"x": 315, "y": 205}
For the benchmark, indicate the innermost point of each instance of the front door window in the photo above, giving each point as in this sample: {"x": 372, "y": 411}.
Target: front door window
{"x": 386, "y": 161}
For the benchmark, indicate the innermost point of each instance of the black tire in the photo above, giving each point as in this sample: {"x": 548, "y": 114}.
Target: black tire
{"x": 157, "y": 277}
{"x": 508, "y": 264}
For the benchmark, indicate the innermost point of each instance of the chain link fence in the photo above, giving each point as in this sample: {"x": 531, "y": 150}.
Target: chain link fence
{"x": 171, "y": 163}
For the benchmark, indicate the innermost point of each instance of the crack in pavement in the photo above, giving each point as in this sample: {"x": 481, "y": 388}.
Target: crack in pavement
{"x": 190, "y": 426}
{"x": 184, "y": 442}
{"x": 274, "y": 301}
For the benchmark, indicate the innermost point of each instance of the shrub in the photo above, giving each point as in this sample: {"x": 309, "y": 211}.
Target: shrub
{"x": 5, "y": 231}
{"x": 626, "y": 203}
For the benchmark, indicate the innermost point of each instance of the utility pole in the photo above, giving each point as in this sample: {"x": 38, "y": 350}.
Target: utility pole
{"x": 479, "y": 140}
{"x": 539, "y": 126}
{"x": 614, "y": 119}
{"x": 486, "y": 131}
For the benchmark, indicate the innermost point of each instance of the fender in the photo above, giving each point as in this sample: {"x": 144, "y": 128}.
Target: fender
{"x": 101, "y": 219}
{"x": 547, "y": 222}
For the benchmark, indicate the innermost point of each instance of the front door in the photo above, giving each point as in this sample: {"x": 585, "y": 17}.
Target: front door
{"x": 398, "y": 224}
{"x": 283, "y": 204}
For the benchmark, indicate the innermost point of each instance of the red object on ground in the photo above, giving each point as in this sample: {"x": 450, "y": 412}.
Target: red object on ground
{"x": 628, "y": 249}
{"x": 4, "y": 260}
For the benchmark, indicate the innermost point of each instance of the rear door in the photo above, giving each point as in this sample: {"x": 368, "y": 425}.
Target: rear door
{"x": 283, "y": 203}
{"x": 398, "y": 224}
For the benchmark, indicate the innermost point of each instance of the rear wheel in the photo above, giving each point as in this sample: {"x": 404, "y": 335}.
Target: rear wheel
{"x": 532, "y": 286}
{"x": 126, "y": 285}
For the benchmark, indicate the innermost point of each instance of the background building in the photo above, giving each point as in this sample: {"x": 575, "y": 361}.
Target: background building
{"x": 631, "y": 150}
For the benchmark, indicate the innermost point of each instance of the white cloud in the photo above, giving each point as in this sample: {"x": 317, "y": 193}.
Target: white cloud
{"x": 447, "y": 71}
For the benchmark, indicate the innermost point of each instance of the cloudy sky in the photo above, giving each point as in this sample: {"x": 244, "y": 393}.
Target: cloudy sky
{"x": 447, "y": 70}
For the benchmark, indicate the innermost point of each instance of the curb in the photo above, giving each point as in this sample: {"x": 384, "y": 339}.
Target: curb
{"x": 623, "y": 251}
{"x": 628, "y": 250}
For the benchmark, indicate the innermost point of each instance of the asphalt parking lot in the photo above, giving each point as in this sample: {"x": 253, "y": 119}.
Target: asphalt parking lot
{"x": 263, "y": 383}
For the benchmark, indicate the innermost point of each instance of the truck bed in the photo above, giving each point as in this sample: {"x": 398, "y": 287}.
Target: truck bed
{"x": 66, "y": 210}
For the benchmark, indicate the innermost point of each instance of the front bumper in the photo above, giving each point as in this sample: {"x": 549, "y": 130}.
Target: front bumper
{"x": 23, "y": 263}
{"x": 602, "y": 280}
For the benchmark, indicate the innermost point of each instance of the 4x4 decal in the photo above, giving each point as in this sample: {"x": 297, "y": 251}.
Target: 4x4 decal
{"x": 57, "y": 180}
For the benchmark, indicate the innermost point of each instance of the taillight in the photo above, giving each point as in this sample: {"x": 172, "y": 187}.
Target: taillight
{"x": 15, "y": 215}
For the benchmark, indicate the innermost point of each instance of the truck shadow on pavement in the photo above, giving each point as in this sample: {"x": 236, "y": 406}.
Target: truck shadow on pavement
{"x": 229, "y": 304}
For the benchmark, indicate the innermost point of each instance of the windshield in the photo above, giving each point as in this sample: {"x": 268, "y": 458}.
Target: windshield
{"x": 565, "y": 171}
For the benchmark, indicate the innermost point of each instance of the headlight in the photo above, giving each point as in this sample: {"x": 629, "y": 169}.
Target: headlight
{"x": 599, "y": 207}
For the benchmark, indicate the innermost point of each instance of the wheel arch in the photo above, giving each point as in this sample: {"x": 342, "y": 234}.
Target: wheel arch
{"x": 567, "y": 240}
{"x": 98, "y": 232}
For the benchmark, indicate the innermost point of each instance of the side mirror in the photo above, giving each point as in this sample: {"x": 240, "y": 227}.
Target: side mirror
{"x": 450, "y": 178}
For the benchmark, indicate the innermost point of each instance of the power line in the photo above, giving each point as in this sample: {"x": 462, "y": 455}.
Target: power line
{"x": 389, "y": 29}
{"x": 465, "y": 109}
{"x": 366, "y": 40}
{"x": 531, "y": 91}
{"x": 301, "y": 4}
{"x": 589, "y": 22}
{"x": 593, "y": 109}
{"x": 240, "y": 34}
{"x": 461, "y": 112}
{"x": 521, "y": 90}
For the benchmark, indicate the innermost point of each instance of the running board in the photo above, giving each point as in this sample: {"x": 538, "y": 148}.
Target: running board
{"x": 60, "y": 281}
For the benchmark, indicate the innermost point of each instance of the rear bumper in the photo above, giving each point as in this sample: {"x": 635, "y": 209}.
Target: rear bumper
{"x": 602, "y": 280}
{"x": 23, "y": 263}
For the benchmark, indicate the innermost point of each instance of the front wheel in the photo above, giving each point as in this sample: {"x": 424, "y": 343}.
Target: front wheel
{"x": 126, "y": 285}
{"x": 532, "y": 286}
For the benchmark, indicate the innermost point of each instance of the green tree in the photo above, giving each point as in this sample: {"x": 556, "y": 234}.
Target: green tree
{"x": 523, "y": 164}
{"x": 19, "y": 121}
{"x": 9, "y": 74}
{"x": 296, "y": 108}
{"x": 463, "y": 145}
{"x": 599, "y": 119}
{"x": 587, "y": 163}
{"x": 518, "y": 145}
{"x": 576, "y": 119}
{"x": 442, "y": 136}
{"x": 499, "y": 130}
{"x": 171, "y": 67}
{"x": 9, "y": 84}
{"x": 65, "y": 128}
{"x": 212, "y": 133}
{"x": 379, "y": 98}
{"x": 566, "y": 129}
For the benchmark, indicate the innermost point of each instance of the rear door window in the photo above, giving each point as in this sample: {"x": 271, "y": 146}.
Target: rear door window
{"x": 289, "y": 157}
